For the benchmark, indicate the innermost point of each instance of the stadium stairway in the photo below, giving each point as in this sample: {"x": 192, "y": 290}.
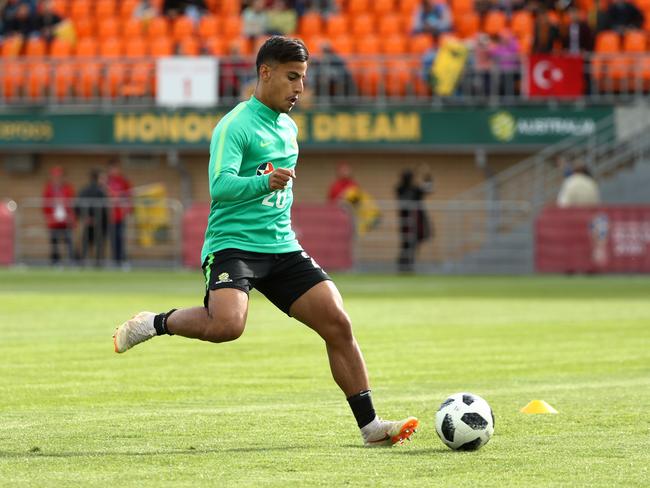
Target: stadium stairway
{"x": 618, "y": 153}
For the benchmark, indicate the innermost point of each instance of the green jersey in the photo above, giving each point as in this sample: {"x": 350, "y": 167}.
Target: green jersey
{"x": 247, "y": 145}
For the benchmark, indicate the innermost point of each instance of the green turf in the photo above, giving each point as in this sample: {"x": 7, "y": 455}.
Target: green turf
{"x": 263, "y": 411}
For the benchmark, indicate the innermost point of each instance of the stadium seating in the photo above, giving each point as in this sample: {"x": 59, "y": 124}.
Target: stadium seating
{"x": 106, "y": 31}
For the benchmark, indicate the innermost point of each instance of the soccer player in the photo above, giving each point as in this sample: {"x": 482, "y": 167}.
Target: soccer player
{"x": 249, "y": 242}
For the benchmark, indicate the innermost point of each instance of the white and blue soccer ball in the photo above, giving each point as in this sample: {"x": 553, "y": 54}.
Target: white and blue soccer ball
{"x": 465, "y": 422}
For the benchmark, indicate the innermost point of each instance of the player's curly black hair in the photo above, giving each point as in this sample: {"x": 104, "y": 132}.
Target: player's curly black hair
{"x": 280, "y": 49}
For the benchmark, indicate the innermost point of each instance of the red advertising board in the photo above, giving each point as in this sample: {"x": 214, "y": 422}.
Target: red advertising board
{"x": 6, "y": 235}
{"x": 554, "y": 76}
{"x": 326, "y": 232}
{"x": 612, "y": 239}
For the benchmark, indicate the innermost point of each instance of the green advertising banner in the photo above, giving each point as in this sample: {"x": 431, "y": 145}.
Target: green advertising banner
{"x": 317, "y": 129}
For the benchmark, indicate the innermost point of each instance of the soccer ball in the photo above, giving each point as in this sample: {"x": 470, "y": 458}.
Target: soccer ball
{"x": 465, "y": 422}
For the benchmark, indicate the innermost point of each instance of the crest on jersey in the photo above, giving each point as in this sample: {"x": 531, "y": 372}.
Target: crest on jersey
{"x": 265, "y": 169}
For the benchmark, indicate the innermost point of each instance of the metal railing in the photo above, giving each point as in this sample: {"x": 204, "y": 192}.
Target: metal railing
{"x": 455, "y": 231}
{"x": 353, "y": 80}
{"x": 88, "y": 233}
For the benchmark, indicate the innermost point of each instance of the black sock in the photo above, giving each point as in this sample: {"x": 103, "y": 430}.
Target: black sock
{"x": 160, "y": 323}
{"x": 361, "y": 405}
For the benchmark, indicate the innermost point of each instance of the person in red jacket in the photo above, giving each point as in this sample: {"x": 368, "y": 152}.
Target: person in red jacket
{"x": 58, "y": 198}
{"x": 342, "y": 184}
{"x": 119, "y": 191}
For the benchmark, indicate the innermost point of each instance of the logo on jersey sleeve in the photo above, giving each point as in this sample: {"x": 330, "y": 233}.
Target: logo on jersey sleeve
{"x": 265, "y": 169}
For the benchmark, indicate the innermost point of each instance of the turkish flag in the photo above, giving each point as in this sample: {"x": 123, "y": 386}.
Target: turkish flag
{"x": 550, "y": 75}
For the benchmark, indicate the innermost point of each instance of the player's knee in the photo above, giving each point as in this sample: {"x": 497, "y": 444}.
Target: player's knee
{"x": 225, "y": 328}
{"x": 339, "y": 330}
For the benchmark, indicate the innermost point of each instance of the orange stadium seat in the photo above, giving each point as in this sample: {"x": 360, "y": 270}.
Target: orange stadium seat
{"x": 108, "y": 27}
{"x": 213, "y": 5}
{"x": 216, "y": 46}
{"x": 189, "y": 47}
{"x": 258, "y": 41}
{"x": 367, "y": 45}
{"x": 398, "y": 78}
{"x": 87, "y": 82}
{"x": 64, "y": 76}
{"x": 38, "y": 80}
{"x": 113, "y": 47}
{"x": 86, "y": 48}
{"x": 241, "y": 44}
{"x": 315, "y": 44}
{"x": 11, "y": 46}
{"x": 136, "y": 47}
{"x": 60, "y": 48}
{"x": 390, "y": 24}
{"x": 12, "y": 77}
{"x": 157, "y": 27}
{"x": 522, "y": 23}
{"x": 363, "y": 25}
{"x": 367, "y": 75}
{"x": 209, "y": 26}
{"x": 162, "y": 46}
{"x": 383, "y": 7}
{"x": 61, "y": 7}
{"x": 80, "y": 9}
{"x": 460, "y": 7}
{"x": 35, "y": 47}
{"x": 342, "y": 45}
{"x": 140, "y": 81}
{"x": 467, "y": 25}
{"x": 357, "y": 7}
{"x": 230, "y": 7}
{"x": 132, "y": 28}
{"x": 337, "y": 25}
{"x": 494, "y": 22}
{"x": 105, "y": 9}
{"x": 127, "y": 8}
{"x": 183, "y": 28}
{"x": 311, "y": 24}
{"x": 607, "y": 67}
{"x": 420, "y": 43}
{"x": 408, "y": 7}
{"x": 635, "y": 41}
{"x": 395, "y": 45}
{"x": 646, "y": 22}
{"x": 85, "y": 27}
{"x": 232, "y": 26}
{"x": 114, "y": 80}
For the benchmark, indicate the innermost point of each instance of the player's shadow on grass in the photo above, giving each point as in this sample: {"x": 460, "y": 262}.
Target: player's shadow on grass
{"x": 407, "y": 450}
{"x": 36, "y": 453}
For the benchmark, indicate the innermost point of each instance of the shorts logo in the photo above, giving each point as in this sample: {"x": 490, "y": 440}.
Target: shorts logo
{"x": 224, "y": 278}
{"x": 265, "y": 169}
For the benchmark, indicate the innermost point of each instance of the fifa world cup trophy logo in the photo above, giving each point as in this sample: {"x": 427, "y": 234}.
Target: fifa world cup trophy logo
{"x": 599, "y": 228}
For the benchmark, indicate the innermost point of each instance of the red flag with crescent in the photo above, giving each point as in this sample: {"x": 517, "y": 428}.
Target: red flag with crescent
{"x": 560, "y": 76}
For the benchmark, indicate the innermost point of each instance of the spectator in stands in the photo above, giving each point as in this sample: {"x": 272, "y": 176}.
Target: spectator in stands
{"x": 546, "y": 33}
{"x": 579, "y": 189}
{"x": 235, "y": 71}
{"x": 414, "y": 225}
{"x": 20, "y": 20}
{"x": 432, "y": 17}
{"x": 119, "y": 190}
{"x": 92, "y": 211}
{"x": 330, "y": 74}
{"x": 254, "y": 19}
{"x": 145, "y": 10}
{"x": 576, "y": 35}
{"x": 345, "y": 189}
{"x": 323, "y": 7}
{"x": 343, "y": 183}
{"x": 504, "y": 53}
{"x": 482, "y": 63}
{"x": 622, "y": 15}
{"x": 57, "y": 209}
{"x": 280, "y": 19}
{"x": 48, "y": 19}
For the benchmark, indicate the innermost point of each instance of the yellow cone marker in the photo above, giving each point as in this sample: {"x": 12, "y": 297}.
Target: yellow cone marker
{"x": 538, "y": 406}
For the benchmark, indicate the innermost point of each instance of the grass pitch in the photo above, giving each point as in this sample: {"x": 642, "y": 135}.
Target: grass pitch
{"x": 264, "y": 411}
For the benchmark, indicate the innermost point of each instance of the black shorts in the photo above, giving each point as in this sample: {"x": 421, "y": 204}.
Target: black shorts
{"x": 282, "y": 278}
